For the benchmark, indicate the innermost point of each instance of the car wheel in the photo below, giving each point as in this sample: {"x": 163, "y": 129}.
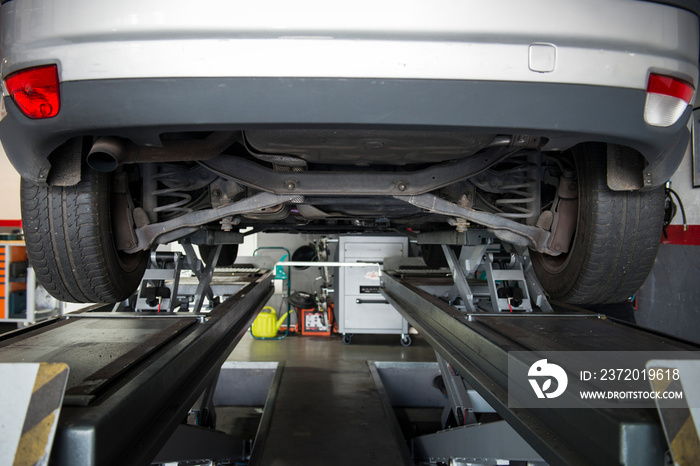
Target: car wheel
{"x": 227, "y": 256}
{"x": 615, "y": 242}
{"x": 433, "y": 256}
{"x": 70, "y": 244}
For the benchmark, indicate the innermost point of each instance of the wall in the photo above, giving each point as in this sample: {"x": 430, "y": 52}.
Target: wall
{"x": 682, "y": 183}
{"x": 669, "y": 300}
{"x": 9, "y": 189}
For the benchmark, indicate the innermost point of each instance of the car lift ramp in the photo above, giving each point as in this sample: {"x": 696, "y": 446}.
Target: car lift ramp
{"x": 477, "y": 344}
{"x": 133, "y": 376}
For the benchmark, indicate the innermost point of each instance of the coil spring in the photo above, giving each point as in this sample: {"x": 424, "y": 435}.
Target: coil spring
{"x": 175, "y": 185}
{"x": 521, "y": 187}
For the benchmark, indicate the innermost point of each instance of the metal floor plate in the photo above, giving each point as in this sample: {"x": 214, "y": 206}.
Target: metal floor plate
{"x": 97, "y": 350}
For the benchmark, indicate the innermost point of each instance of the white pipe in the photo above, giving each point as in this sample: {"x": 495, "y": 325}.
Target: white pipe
{"x": 329, "y": 264}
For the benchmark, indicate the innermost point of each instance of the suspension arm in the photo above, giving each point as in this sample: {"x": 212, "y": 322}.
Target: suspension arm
{"x": 189, "y": 223}
{"x": 504, "y": 229}
{"x": 362, "y": 183}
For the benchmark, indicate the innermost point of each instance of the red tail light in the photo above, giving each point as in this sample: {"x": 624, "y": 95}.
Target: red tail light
{"x": 667, "y": 99}
{"x": 35, "y": 91}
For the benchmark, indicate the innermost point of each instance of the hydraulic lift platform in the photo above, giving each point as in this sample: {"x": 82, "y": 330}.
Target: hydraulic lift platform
{"x": 476, "y": 343}
{"x": 134, "y": 375}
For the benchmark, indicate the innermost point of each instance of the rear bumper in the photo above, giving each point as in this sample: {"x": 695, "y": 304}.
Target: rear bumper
{"x": 568, "y": 70}
{"x": 143, "y": 109}
{"x": 614, "y": 43}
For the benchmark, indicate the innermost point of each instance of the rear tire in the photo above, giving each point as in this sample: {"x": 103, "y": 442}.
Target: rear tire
{"x": 615, "y": 242}
{"x": 434, "y": 256}
{"x": 70, "y": 244}
{"x": 227, "y": 256}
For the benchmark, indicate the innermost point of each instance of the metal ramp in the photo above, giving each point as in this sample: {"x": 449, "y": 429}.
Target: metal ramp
{"x": 135, "y": 375}
{"x": 473, "y": 328}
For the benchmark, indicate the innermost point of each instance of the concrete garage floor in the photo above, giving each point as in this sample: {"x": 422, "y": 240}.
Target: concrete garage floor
{"x": 328, "y": 410}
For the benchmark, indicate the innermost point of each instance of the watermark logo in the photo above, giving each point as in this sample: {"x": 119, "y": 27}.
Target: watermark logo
{"x": 602, "y": 379}
{"x": 546, "y": 372}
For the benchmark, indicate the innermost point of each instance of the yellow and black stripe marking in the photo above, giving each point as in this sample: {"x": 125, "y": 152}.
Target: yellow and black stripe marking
{"x": 42, "y": 415}
{"x": 681, "y": 434}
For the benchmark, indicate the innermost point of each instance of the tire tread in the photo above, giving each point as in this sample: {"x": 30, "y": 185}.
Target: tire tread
{"x": 618, "y": 245}
{"x": 67, "y": 242}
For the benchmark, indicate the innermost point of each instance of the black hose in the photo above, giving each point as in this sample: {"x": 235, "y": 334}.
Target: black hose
{"x": 680, "y": 203}
{"x": 672, "y": 209}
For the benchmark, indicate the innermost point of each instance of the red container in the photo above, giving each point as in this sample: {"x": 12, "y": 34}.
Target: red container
{"x": 314, "y": 322}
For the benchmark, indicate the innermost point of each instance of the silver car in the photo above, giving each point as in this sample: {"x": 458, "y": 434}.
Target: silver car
{"x": 552, "y": 123}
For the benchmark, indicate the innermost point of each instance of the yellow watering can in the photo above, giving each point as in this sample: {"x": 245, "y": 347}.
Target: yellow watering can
{"x": 266, "y": 324}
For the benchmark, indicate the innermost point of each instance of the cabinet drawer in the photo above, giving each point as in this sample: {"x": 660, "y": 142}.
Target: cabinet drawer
{"x": 369, "y": 315}
{"x": 356, "y": 277}
{"x": 372, "y": 252}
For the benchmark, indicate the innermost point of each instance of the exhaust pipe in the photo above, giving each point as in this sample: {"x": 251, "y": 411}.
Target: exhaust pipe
{"x": 108, "y": 153}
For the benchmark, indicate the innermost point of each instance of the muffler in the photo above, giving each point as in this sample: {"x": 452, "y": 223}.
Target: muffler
{"x": 108, "y": 153}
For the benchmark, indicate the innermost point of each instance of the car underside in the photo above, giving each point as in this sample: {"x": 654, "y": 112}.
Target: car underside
{"x": 212, "y": 188}
{"x": 343, "y": 180}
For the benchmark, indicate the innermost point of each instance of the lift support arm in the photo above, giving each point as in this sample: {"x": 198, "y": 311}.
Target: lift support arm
{"x": 477, "y": 346}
